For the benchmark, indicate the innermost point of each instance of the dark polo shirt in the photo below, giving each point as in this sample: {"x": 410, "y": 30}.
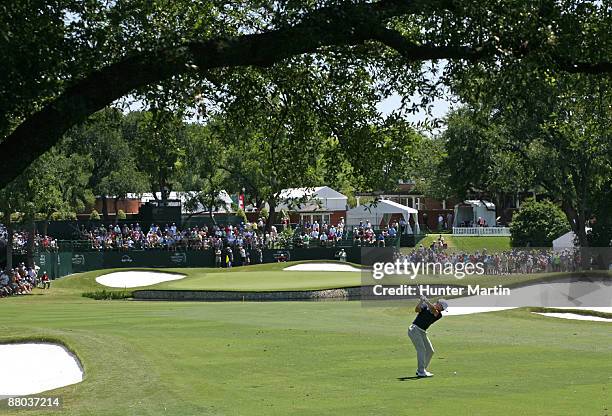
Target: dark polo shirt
{"x": 425, "y": 318}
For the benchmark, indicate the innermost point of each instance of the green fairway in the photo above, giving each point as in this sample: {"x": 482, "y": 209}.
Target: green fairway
{"x": 313, "y": 358}
{"x": 469, "y": 244}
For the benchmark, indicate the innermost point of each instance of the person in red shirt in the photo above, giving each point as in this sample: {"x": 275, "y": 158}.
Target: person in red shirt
{"x": 46, "y": 283}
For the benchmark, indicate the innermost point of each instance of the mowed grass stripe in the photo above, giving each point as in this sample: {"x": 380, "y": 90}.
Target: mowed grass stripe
{"x": 315, "y": 358}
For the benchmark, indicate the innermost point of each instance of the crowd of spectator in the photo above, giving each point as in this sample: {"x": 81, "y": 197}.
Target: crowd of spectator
{"x": 21, "y": 280}
{"x": 364, "y": 235}
{"x": 323, "y": 235}
{"x": 500, "y": 263}
{"x": 21, "y": 238}
{"x": 125, "y": 237}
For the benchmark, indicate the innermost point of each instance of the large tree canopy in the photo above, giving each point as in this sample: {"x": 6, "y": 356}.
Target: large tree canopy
{"x": 63, "y": 60}
{"x": 558, "y": 141}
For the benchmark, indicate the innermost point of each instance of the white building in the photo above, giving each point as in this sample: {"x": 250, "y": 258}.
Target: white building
{"x": 322, "y": 204}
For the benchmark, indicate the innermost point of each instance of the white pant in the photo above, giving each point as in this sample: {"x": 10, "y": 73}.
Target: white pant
{"x": 422, "y": 345}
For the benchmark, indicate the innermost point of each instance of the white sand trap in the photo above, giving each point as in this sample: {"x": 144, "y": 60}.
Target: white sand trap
{"x": 568, "y": 315}
{"x": 468, "y": 310}
{"x": 551, "y": 294}
{"x": 606, "y": 309}
{"x": 33, "y": 368}
{"x": 569, "y": 293}
{"x": 136, "y": 278}
{"x": 321, "y": 267}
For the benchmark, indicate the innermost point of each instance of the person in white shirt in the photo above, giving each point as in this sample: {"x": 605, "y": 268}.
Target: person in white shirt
{"x": 323, "y": 238}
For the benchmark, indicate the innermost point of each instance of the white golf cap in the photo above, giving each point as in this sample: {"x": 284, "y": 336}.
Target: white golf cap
{"x": 443, "y": 303}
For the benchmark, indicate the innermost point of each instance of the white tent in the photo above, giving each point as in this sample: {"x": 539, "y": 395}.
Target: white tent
{"x": 565, "y": 241}
{"x": 469, "y": 211}
{"x": 381, "y": 211}
{"x": 320, "y": 198}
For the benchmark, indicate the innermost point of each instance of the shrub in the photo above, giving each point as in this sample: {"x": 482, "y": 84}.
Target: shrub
{"x": 240, "y": 214}
{"x": 537, "y": 224}
{"x": 264, "y": 213}
{"x": 59, "y": 216}
{"x": 94, "y": 215}
{"x": 285, "y": 238}
{"x": 108, "y": 294}
{"x": 121, "y": 215}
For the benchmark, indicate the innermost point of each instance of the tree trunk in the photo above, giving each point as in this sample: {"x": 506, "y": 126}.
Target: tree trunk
{"x": 31, "y": 240}
{"x": 212, "y": 216}
{"x": 104, "y": 208}
{"x": 46, "y": 223}
{"x": 581, "y": 231}
{"x": 271, "y": 213}
{"x": 211, "y": 208}
{"x": 9, "y": 240}
{"x": 577, "y": 220}
{"x": 164, "y": 190}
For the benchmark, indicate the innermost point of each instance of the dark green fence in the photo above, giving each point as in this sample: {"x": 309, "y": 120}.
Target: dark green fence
{"x": 55, "y": 264}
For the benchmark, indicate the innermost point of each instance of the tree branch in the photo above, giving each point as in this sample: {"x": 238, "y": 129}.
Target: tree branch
{"x": 328, "y": 26}
{"x": 338, "y": 25}
{"x": 415, "y": 52}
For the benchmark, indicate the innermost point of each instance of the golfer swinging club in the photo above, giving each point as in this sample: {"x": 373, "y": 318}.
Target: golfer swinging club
{"x": 428, "y": 313}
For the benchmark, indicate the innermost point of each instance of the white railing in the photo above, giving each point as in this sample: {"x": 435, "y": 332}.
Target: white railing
{"x": 480, "y": 231}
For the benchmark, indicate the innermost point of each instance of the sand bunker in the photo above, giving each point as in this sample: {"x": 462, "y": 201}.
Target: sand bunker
{"x": 568, "y": 315}
{"x": 606, "y": 309}
{"x": 136, "y": 278}
{"x": 33, "y": 368}
{"x": 468, "y": 310}
{"x": 569, "y": 293}
{"x": 555, "y": 294}
{"x": 321, "y": 267}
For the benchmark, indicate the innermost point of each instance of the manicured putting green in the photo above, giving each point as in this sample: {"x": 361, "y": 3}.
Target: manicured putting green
{"x": 252, "y": 278}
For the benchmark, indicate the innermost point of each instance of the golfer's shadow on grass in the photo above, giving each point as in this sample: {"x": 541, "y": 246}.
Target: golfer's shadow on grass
{"x": 409, "y": 378}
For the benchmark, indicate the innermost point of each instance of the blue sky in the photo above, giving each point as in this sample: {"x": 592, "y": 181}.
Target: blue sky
{"x": 439, "y": 108}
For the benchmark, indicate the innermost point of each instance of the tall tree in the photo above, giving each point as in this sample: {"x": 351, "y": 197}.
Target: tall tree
{"x": 559, "y": 140}
{"x": 114, "y": 172}
{"x": 430, "y": 170}
{"x": 55, "y": 182}
{"x": 157, "y": 137}
{"x": 202, "y": 173}
{"x": 480, "y": 158}
{"x": 82, "y": 56}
